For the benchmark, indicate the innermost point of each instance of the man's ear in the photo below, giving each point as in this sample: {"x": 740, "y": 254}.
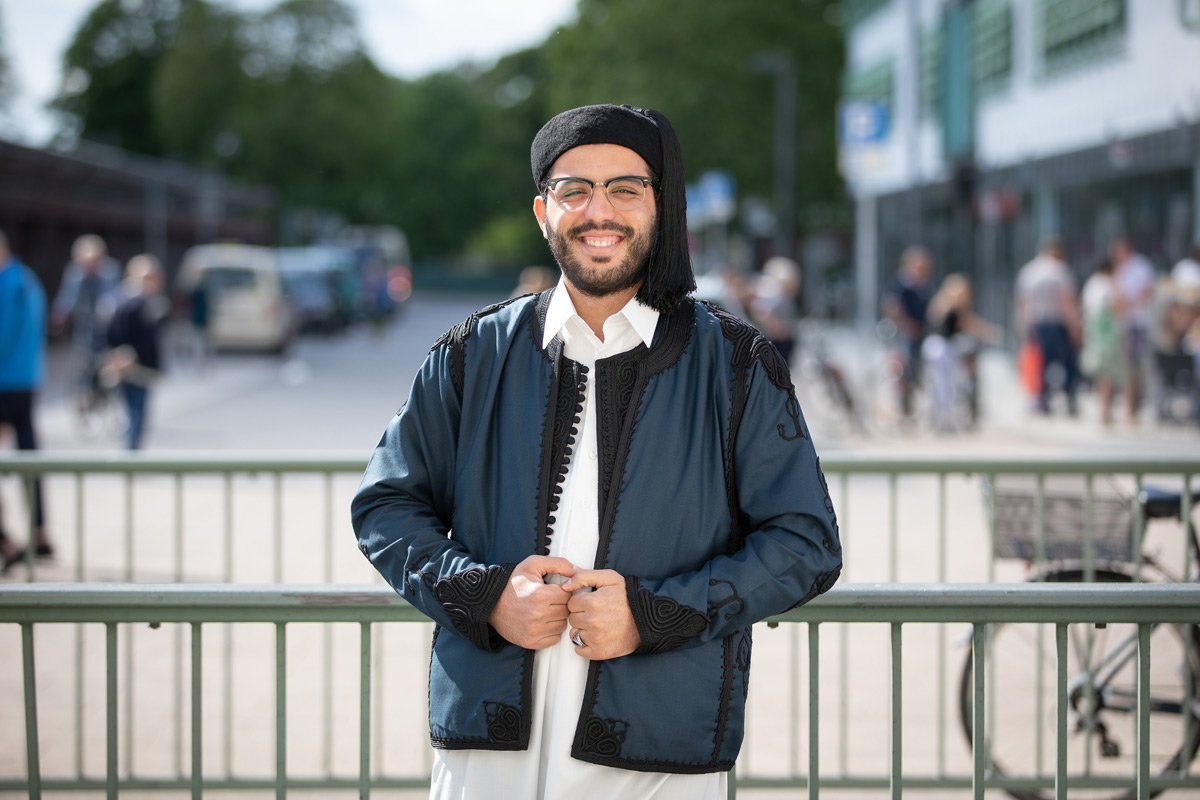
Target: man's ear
{"x": 539, "y": 211}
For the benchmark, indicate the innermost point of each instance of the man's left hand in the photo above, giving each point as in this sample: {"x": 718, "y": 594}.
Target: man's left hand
{"x": 602, "y": 617}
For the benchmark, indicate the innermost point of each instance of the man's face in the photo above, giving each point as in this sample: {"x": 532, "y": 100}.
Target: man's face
{"x": 601, "y": 250}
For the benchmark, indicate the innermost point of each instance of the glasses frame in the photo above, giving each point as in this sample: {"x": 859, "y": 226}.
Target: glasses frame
{"x": 548, "y": 189}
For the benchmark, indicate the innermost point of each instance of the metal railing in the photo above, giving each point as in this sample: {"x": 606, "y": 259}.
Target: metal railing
{"x": 257, "y": 518}
{"x": 32, "y": 608}
{"x": 312, "y": 491}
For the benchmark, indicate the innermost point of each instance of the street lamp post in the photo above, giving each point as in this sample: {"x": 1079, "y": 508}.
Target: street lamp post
{"x": 781, "y": 66}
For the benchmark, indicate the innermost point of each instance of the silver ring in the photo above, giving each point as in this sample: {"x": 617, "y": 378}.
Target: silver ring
{"x": 576, "y": 639}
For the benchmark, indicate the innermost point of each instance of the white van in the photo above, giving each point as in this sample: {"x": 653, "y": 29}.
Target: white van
{"x": 242, "y": 295}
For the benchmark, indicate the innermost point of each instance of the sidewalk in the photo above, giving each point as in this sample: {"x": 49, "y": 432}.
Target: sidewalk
{"x": 1007, "y": 423}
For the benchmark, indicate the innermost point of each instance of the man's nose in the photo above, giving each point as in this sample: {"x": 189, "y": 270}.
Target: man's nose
{"x": 598, "y": 206}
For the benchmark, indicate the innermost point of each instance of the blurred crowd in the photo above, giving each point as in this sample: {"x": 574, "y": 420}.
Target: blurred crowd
{"x": 1129, "y": 335}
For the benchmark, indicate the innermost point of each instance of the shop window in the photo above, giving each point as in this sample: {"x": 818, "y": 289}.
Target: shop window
{"x": 992, "y": 46}
{"x": 873, "y": 83}
{"x": 1075, "y": 31}
{"x": 930, "y": 77}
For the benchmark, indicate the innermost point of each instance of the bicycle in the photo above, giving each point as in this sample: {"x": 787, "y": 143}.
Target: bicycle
{"x": 98, "y": 409}
{"x": 1102, "y": 659}
{"x": 819, "y": 368}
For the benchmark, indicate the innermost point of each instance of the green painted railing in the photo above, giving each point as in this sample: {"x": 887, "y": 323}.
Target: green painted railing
{"x": 283, "y": 518}
{"x": 114, "y": 606}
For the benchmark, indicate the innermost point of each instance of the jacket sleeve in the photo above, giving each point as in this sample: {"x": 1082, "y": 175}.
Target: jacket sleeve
{"x": 791, "y": 551}
{"x": 404, "y": 506}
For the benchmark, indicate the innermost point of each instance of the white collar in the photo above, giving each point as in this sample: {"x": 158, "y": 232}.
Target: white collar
{"x": 642, "y": 318}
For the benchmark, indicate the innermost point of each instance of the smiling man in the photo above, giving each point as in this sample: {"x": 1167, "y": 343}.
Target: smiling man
{"x": 595, "y": 492}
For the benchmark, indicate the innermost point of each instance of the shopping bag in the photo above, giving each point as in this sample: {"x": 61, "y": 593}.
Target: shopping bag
{"x": 1029, "y": 367}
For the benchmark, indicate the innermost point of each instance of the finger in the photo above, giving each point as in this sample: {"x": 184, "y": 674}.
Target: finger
{"x": 593, "y": 578}
{"x": 576, "y": 637}
{"x": 549, "y": 565}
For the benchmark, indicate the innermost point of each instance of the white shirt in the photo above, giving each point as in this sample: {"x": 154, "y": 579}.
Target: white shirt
{"x": 546, "y": 769}
{"x": 1134, "y": 279}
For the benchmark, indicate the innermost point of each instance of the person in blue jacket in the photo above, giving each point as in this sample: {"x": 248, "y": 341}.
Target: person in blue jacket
{"x": 22, "y": 367}
{"x": 595, "y": 491}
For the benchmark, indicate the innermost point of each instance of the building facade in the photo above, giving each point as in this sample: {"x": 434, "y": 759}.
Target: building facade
{"x": 976, "y": 127}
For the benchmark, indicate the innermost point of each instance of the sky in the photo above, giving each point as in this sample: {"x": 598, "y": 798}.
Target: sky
{"x": 405, "y": 38}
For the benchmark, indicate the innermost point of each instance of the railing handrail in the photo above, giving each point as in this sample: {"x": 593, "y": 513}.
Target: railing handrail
{"x": 867, "y": 602}
{"x": 858, "y": 462}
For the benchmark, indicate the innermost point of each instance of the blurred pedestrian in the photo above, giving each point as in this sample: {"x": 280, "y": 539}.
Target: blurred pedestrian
{"x": 85, "y": 302}
{"x": 1185, "y": 275}
{"x": 22, "y": 368}
{"x": 534, "y": 279}
{"x": 773, "y": 303}
{"x": 595, "y": 587}
{"x": 1102, "y": 358}
{"x": 135, "y": 358}
{"x": 1134, "y": 278}
{"x": 951, "y": 351}
{"x": 1048, "y": 314}
{"x": 906, "y": 304}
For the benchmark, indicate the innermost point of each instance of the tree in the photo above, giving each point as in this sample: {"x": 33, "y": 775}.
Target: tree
{"x": 109, "y": 69}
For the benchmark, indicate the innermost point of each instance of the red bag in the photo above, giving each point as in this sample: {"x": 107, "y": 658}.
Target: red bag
{"x": 1029, "y": 368}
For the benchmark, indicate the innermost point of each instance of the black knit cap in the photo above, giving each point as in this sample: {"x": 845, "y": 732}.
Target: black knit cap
{"x": 648, "y": 133}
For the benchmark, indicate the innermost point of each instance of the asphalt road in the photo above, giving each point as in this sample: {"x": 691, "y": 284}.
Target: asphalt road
{"x": 337, "y": 392}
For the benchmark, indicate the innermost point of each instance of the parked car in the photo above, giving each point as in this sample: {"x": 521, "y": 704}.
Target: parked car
{"x": 312, "y": 284}
{"x": 242, "y": 289}
{"x": 335, "y": 268}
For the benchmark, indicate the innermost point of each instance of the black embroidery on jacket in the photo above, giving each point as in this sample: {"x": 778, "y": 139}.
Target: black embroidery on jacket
{"x": 831, "y": 546}
{"x": 744, "y": 648}
{"x": 560, "y": 432}
{"x": 821, "y": 584}
{"x": 728, "y": 672}
{"x": 603, "y": 738}
{"x": 734, "y": 599}
{"x": 457, "y": 337}
{"x": 664, "y": 624}
{"x": 469, "y": 596}
{"x": 503, "y": 722}
{"x": 621, "y": 383}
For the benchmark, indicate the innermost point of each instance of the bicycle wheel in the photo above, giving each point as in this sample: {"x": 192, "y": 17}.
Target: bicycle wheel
{"x": 1102, "y": 688}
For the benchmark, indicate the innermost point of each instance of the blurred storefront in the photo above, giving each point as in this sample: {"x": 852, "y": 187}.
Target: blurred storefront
{"x": 976, "y": 127}
{"x": 137, "y": 204}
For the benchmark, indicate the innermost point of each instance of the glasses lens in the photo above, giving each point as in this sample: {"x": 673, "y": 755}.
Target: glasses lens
{"x": 571, "y": 194}
{"x": 626, "y": 194}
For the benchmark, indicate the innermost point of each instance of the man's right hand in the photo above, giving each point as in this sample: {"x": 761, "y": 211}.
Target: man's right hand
{"x": 530, "y": 612}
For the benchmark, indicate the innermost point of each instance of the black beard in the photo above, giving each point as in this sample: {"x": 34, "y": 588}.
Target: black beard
{"x": 596, "y": 282}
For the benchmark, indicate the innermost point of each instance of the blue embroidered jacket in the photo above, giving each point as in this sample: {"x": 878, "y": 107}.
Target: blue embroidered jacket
{"x": 712, "y": 505}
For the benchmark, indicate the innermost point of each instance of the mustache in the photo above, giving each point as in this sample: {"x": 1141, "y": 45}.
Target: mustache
{"x": 615, "y": 227}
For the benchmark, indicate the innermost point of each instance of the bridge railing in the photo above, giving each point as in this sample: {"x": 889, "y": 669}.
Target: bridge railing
{"x": 279, "y": 705}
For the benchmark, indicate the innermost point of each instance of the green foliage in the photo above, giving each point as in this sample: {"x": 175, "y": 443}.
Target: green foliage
{"x": 287, "y": 98}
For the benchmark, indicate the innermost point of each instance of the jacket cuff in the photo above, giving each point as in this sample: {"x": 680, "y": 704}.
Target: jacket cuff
{"x": 468, "y": 598}
{"x": 663, "y": 623}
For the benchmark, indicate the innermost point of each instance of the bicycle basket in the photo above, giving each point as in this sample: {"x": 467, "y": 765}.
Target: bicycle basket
{"x": 1064, "y": 521}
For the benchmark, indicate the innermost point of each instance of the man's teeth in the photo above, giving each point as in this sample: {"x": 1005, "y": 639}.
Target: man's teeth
{"x": 606, "y": 241}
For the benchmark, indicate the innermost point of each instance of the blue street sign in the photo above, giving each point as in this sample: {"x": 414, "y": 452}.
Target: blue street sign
{"x": 863, "y": 122}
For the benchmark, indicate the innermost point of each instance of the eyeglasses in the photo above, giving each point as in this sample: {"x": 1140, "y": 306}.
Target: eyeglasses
{"x": 625, "y": 192}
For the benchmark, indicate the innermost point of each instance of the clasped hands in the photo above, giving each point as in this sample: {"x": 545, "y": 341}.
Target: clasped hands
{"x": 533, "y": 614}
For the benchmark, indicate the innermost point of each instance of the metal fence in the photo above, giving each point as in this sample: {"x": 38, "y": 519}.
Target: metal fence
{"x": 283, "y": 519}
{"x": 120, "y": 608}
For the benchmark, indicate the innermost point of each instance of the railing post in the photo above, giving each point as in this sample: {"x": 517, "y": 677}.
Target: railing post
{"x": 1061, "y": 701}
{"x": 1143, "y": 711}
{"x": 280, "y": 710}
{"x": 197, "y": 712}
{"x": 364, "y": 711}
{"x": 897, "y": 766}
{"x": 814, "y": 708}
{"x": 110, "y": 676}
{"x": 32, "y": 758}
{"x": 978, "y": 744}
